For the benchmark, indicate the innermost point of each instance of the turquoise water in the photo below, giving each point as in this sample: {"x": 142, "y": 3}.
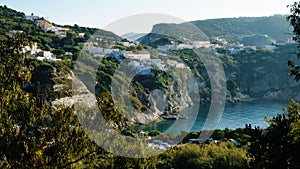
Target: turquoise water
{"x": 235, "y": 115}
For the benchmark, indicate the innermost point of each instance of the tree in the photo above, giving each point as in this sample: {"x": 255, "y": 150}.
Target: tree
{"x": 225, "y": 155}
{"x": 294, "y": 19}
{"x": 31, "y": 136}
{"x": 59, "y": 52}
{"x": 278, "y": 145}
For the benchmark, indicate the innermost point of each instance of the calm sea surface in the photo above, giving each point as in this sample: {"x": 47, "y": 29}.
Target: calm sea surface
{"x": 235, "y": 115}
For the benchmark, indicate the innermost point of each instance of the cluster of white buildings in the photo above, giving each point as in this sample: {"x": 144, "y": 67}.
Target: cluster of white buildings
{"x": 236, "y": 48}
{"x": 143, "y": 67}
{"x": 128, "y": 44}
{"x": 48, "y": 27}
{"x": 233, "y": 48}
{"x": 32, "y": 17}
{"x": 39, "y": 54}
{"x": 140, "y": 63}
{"x": 99, "y": 52}
{"x": 220, "y": 40}
{"x": 193, "y": 45}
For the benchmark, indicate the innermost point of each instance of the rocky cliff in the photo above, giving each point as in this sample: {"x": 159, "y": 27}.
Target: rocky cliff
{"x": 264, "y": 74}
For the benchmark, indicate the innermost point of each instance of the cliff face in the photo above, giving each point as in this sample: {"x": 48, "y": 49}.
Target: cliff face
{"x": 264, "y": 74}
{"x": 271, "y": 85}
{"x": 263, "y": 82}
{"x": 157, "y": 99}
{"x": 49, "y": 82}
{"x": 80, "y": 95}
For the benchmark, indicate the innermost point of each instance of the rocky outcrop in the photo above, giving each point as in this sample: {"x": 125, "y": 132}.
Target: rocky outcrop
{"x": 49, "y": 82}
{"x": 81, "y": 95}
{"x": 239, "y": 97}
{"x": 282, "y": 94}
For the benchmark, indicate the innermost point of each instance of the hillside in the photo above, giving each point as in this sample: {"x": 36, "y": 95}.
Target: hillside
{"x": 50, "y": 36}
{"x": 51, "y": 80}
{"x": 276, "y": 27}
{"x": 249, "y": 72}
{"x": 248, "y": 30}
{"x": 183, "y": 32}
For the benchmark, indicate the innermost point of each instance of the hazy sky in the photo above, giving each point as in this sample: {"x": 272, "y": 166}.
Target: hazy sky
{"x": 99, "y": 13}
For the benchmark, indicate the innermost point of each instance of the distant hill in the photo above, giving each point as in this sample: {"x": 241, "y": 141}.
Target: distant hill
{"x": 163, "y": 34}
{"x": 276, "y": 27}
{"x": 254, "y": 31}
{"x": 182, "y": 32}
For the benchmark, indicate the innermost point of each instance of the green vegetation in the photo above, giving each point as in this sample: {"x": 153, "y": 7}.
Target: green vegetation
{"x": 294, "y": 19}
{"x": 141, "y": 85}
{"x": 45, "y": 76}
{"x": 40, "y": 136}
{"x": 155, "y": 39}
{"x": 225, "y": 155}
{"x": 36, "y": 135}
{"x": 135, "y": 49}
{"x": 183, "y": 32}
{"x": 257, "y": 40}
{"x": 11, "y": 20}
{"x": 31, "y": 136}
{"x": 253, "y": 31}
{"x": 278, "y": 145}
{"x": 43, "y": 137}
{"x": 233, "y": 28}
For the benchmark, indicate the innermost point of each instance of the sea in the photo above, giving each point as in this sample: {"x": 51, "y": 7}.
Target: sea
{"x": 235, "y": 115}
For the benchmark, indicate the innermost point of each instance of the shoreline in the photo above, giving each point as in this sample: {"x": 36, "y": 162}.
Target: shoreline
{"x": 257, "y": 113}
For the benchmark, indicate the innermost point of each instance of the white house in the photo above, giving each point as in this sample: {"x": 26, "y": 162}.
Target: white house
{"x": 61, "y": 31}
{"x": 31, "y": 17}
{"x": 81, "y": 35}
{"x": 69, "y": 53}
{"x": 140, "y": 68}
{"x": 157, "y": 63}
{"x": 183, "y": 46}
{"x": 139, "y": 56}
{"x": 127, "y": 44}
{"x": 45, "y": 54}
{"x": 51, "y": 29}
{"x": 199, "y": 44}
{"x": 124, "y": 43}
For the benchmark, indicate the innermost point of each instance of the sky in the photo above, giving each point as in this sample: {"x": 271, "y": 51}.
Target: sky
{"x": 100, "y": 13}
